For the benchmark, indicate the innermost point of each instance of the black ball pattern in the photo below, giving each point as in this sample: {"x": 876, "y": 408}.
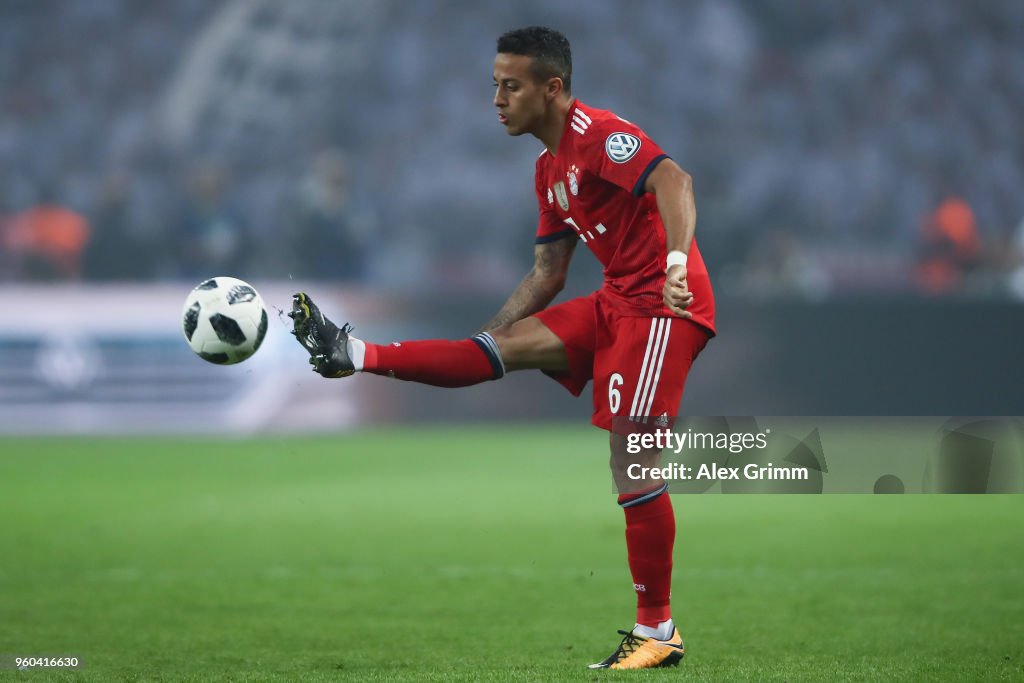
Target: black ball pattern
{"x": 192, "y": 320}
{"x": 227, "y": 329}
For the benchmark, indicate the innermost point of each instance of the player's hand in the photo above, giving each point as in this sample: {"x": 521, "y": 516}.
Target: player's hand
{"x": 676, "y": 294}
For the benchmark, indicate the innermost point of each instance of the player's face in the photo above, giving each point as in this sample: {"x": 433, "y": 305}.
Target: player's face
{"x": 521, "y": 101}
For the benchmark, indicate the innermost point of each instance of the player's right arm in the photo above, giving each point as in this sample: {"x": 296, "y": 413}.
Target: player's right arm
{"x": 541, "y": 285}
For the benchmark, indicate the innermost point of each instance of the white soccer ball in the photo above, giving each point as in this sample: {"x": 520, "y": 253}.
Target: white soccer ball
{"x": 224, "y": 320}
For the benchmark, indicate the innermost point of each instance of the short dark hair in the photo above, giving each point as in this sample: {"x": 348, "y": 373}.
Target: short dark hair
{"x": 548, "y": 49}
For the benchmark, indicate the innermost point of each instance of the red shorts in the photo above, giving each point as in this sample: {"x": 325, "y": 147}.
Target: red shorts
{"x": 639, "y": 365}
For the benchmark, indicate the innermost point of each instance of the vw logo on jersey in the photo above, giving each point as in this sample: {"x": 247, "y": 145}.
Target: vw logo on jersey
{"x": 621, "y": 147}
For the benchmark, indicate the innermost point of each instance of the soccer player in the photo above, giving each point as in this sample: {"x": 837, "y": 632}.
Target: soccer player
{"x": 600, "y": 181}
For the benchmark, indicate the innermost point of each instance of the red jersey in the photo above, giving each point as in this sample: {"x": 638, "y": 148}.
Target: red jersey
{"x": 594, "y": 189}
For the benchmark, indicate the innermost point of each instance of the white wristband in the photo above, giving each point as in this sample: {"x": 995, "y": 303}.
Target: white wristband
{"x": 675, "y": 258}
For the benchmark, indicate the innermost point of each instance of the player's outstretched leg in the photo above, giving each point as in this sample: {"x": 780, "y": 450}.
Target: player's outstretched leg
{"x": 334, "y": 352}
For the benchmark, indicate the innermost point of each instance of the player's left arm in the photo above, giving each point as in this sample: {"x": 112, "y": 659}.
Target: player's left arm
{"x": 672, "y": 188}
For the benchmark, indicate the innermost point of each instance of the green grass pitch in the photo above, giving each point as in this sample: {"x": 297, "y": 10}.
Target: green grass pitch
{"x": 474, "y": 554}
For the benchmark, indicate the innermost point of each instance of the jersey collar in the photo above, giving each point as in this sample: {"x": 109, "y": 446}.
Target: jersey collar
{"x": 565, "y": 126}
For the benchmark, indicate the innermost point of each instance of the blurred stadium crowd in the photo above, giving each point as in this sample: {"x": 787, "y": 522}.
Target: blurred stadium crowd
{"x": 837, "y": 148}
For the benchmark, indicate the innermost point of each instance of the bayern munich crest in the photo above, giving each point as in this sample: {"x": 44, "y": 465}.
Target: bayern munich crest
{"x": 574, "y": 186}
{"x": 621, "y": 147}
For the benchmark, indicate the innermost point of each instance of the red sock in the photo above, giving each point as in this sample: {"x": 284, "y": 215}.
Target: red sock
{"x": 439, "y": 362}
{"x": 650, "y": 534}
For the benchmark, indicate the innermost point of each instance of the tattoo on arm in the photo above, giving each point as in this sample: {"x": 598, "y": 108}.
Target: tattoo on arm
{"x": 542, "y": 284}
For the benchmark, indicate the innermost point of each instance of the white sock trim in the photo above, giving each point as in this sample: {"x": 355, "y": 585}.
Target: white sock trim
{"x": 357, "y": 352}
{"x": 663, "y": 632}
